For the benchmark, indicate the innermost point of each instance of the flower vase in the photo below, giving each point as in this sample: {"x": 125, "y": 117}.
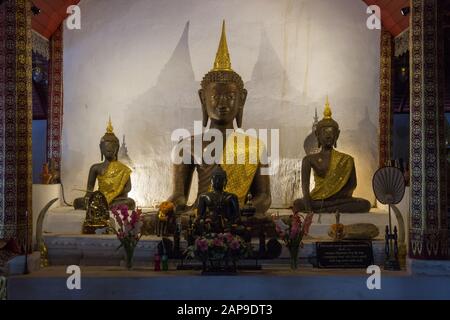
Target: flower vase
{"x": 129, "y": 256}
{"x": 294, "y": 257}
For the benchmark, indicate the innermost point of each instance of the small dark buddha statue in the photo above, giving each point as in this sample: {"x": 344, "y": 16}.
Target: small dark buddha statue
{"x": 334, "y": 175}
{"x": 218, "y": 205}
{"x": 112, "y": 175}
{"x": 222, "y": 97}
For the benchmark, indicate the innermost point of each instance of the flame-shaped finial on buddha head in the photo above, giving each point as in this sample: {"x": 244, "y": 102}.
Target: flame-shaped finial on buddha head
{"x": 327, "y": 129}
{"x": 109, "y": 143}
{"x": 222, "y": 92}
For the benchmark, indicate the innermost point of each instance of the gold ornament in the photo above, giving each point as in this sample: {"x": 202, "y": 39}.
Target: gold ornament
{"x": 109, "y": 128}
{"x": 222, "y": 62}
{"x": 97, "y": 213}
{"x": 327, "y": 111}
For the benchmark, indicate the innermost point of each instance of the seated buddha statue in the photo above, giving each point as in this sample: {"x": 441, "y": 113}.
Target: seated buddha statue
{"x": 113, "y": 176}
{"x": 334, "y": 175}
{"x": 222, "y": 96}
{"x": 221, "y": 207}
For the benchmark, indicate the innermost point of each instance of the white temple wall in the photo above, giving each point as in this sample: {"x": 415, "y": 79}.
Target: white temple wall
{"x": 141, "y": 62}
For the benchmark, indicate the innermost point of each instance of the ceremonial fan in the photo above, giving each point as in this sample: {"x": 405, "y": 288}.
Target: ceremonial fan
{"x": 389, "y": 187}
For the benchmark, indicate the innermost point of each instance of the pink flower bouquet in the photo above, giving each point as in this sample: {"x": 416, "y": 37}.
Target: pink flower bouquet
{"x": 218, "y": 249}
{"x": 293, "y": 232}
{"x": 128, "y": 230}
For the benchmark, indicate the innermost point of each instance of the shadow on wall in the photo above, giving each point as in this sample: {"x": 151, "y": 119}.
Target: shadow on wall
{"x": 365, "y": 152}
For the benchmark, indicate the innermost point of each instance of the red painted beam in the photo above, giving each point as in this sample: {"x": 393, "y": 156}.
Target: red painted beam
{"x": 53, "y": 12}
{"x": 391, "y": 17}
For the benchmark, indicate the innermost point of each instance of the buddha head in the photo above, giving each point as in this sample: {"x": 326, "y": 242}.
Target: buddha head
{"x": 109, "y": 144}
{"x": 219, "y": 179}
{"x": 327, "y": 130}
{"x": 222, "y": 92}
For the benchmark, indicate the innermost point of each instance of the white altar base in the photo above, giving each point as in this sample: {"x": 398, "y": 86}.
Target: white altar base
{"x": 104, "y": 276}
{"x": 100, "y": 250}
{"x": 67, "y": 221}
{"x": 66, "y": 245}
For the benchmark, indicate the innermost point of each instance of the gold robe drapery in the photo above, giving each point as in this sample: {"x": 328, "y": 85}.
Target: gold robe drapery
{"x": 339, "y": 171}
{"x": 240, "y": 160}
{"x": 113, "y": 181}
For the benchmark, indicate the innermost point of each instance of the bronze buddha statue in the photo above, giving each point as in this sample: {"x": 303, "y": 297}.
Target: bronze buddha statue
{"x": 222, "y": 96}
{"x": 334, "y": 175}
{"x": 113, "y": 176}
{"x": 221, "y": 207}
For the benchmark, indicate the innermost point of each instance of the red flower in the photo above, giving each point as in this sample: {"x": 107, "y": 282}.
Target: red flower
{"x": 235, "y": 245}
{"x": 114, "y": 211}
{"x": 201, "y": 244}
{"x": 218, "y": 242}
{"x": 307, "y": 223}
{"x": 229, "y": 237}
{"x": 134, "y": 218}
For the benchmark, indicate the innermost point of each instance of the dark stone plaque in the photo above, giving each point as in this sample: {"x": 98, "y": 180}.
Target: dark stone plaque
{"x": 344, "y": 254}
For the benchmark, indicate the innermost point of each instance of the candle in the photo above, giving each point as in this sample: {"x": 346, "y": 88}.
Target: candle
{"x": 157, "y": 262}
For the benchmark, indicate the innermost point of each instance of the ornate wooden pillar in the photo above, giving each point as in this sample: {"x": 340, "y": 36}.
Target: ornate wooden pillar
{"x": 15, "y": 119}
{"x": 386, "y": 114}
{"x": 429, "y": 217}
{"x": 55, "y": 101}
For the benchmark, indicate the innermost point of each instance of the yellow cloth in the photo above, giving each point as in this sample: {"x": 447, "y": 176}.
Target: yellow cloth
{"x": 112, "y": 182}
{"x": 341, "y": 166}
{"x": 240, "y": 160}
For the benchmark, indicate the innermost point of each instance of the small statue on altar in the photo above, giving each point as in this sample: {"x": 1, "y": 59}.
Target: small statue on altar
{"x": 54, "y": 172}
{"x": 97, "y": 213}
{"x": 113, "y": 176}
{"x": 334, "y": 175}
{"x": 217, "y": 205}
{"x": 249, "y": 209}
{"x": 46, "y": 176}
{"x": 336, "y": 231}
{"x": 165, "y": 217}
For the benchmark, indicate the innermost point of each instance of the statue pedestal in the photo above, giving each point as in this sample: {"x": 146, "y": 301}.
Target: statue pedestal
{"x": 323, "y": 221}
{"x": 67, "y": 245}
{"x": 42, "y": 194}
{"x": 64, "y": 220}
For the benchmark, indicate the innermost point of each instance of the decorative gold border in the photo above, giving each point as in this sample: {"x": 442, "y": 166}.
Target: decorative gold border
{"x": 16, "y": 117}
{"x": 55, "y": 94}
{"x": 428, "y": 222}
{"x": 385, "y": 116}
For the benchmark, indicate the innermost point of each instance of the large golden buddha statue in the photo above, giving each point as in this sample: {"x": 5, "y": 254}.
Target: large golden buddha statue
{"x": 113, "y": 176}
{"x": 334, "y": 175}
{"x": 222, "y": 97}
